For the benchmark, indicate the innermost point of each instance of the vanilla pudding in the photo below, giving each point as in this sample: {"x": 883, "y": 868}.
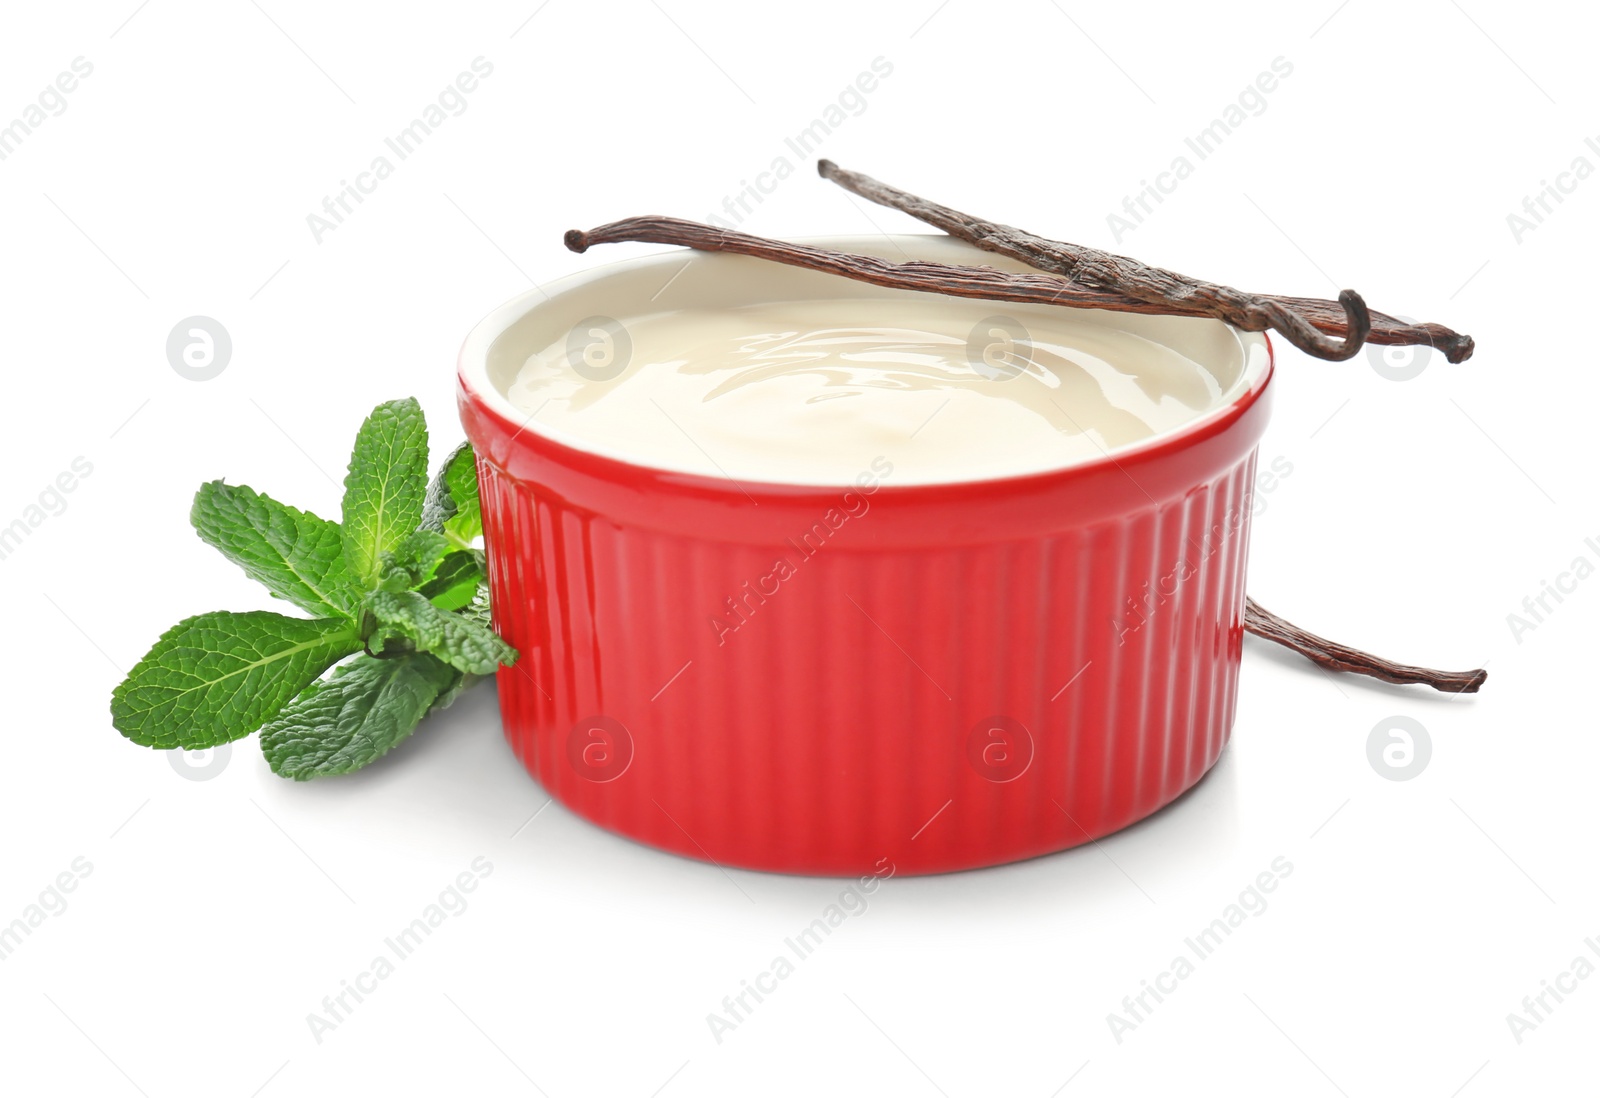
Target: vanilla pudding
{"x": 808, "y": 389}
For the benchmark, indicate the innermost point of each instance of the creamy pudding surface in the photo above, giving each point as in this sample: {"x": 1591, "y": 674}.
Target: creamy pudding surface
{"x": 810, "y": 392}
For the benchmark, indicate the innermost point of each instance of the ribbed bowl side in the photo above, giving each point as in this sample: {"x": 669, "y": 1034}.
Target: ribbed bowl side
{"x": 833, "y": 706}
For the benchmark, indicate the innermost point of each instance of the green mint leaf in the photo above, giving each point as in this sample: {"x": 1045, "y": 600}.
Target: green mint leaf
{"x": 455, "y": 580}
{"x": 438, "y": 506}
{"x": 452, "y": 505}
{"x": 454, "y": 691}
{"x": 384, "y": 488}
{"x": 293, "y": 553}
{"x": 414, "y": 559}
{"x": 467, "y": 523}
{"x": 460, "y": 642}
{"x": 219, "y": 676}
{"x": 356, "y": 715}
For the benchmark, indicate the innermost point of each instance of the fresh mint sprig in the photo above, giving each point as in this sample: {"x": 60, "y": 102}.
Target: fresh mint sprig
{"x": 399, "y": 580}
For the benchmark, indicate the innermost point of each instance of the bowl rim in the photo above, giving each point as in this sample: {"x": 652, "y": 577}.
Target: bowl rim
{"x": 476, "y": 386}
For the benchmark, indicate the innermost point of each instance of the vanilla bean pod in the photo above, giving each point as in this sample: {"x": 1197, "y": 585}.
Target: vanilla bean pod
{"x": 954, "y": 279}
{"x": 1338, "y": 657}
{"x": 1302, "y": 321}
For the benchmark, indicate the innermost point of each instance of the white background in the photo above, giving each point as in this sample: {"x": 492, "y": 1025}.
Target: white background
{"x": 1418, "y": 515}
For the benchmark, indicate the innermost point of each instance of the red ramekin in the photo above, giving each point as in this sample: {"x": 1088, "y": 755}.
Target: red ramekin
{"x": 956, "y": 675}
